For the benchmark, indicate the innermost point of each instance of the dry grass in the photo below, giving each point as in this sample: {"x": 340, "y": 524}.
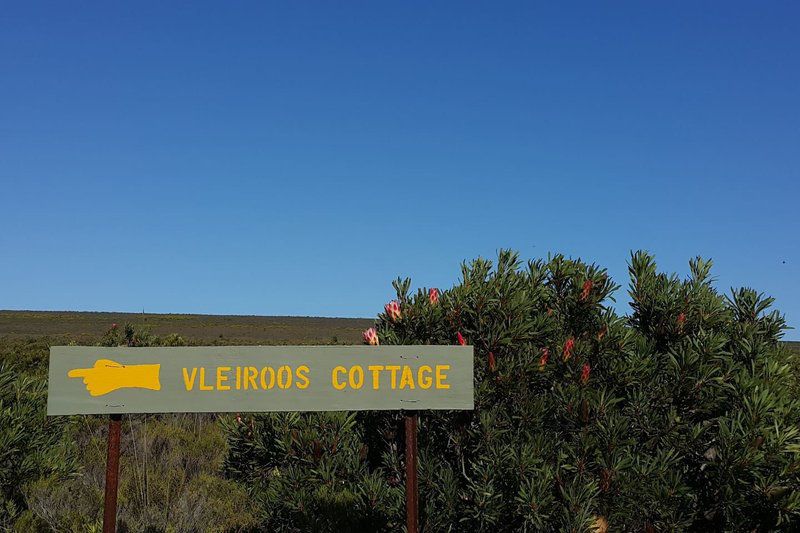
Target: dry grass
{"x": 15, "y": 325}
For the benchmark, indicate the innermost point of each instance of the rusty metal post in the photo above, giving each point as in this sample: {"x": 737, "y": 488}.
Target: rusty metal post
{"x": 112, "y": 475}
{"x": 412, "y": 489}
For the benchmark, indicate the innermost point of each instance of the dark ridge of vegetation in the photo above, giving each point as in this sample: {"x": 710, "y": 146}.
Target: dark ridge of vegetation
{"x": 82, "y": 327}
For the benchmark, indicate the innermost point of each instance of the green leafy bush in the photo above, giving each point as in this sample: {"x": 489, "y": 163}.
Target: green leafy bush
{"x": 31, "y": 445}
{"x": 680, "y": 416}
{"x": 27, "y": 355}
{"x": 309, "y": 472}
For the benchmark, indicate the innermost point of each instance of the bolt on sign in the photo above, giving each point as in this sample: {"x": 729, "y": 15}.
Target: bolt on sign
{"x": 97, "y": 380}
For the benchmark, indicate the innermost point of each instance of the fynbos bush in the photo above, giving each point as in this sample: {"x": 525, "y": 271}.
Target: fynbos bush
{"x": 31, "y": 445}
{"x": 677, "y": 417}
{"x": 170, "y": 479}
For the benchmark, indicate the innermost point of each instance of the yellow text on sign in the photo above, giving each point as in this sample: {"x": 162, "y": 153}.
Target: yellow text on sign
{"x": 225, "y": 378}
{"x": 393, "y": 377}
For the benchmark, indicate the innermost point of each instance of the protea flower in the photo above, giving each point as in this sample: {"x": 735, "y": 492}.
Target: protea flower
{"x": 587, "y": 288}
{"x": 585, "y": 371}
{"x": 461, "y": 340}
{"x": 568, "y": 347}
{"x": 114, "y": 325}
{"x": 393, "y": 310}
{"x": 681, "y": 320}
{"x": 545, "y": 357}
{"x": 371, "y": 337}
{"x": 433, "y": 296}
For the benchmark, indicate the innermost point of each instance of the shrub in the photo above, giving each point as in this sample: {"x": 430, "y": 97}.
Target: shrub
{"x": 30, "y": 444}
{"x": 678, "y": 417}
{"x": 309, "y": 472}
{"x": 169, "y": 479}
{"x": 27, "y": 355}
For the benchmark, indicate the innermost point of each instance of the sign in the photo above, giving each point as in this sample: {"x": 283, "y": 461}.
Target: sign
{"x": 95, "y": 380}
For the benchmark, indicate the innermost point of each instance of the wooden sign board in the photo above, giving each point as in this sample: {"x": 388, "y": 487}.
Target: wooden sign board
{"x": 97, "y": 380}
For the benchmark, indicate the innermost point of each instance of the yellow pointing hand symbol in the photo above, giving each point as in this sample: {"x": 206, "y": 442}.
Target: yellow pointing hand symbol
{"x": 107, "y": 376}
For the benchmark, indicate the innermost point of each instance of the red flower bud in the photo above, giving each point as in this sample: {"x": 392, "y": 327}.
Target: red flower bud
{"x": 433, "y": 296}
{"x": 461, "y": 340}
{"x": 568, "y": 347}
{"x": 585, "y": 371}
{"x": 681, "y": 319}
{"x": 492, "y": 364}
{"x": 545, "y": 357}
{"x": 393, "y": 310}
{"x": 371, "y": 337}
{"x": 587, "y": 288}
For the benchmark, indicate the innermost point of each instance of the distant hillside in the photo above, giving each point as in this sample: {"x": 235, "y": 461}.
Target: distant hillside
{"x": 198, "y": 328}
{"x": 216, "y": 329}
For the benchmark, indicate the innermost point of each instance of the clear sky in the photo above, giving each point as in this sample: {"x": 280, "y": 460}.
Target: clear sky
{"x": 293, "y": 158}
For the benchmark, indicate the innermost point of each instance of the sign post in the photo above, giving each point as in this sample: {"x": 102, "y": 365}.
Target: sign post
{"x": 112, "y": 475}
{"x": 412, "y": 489}
{"x": 98, "y": 380}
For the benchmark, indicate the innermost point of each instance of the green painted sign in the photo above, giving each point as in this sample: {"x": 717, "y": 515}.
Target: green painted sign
{"x": 95, "y": 380}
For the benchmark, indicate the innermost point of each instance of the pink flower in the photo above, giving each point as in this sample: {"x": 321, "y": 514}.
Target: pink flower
{"x": 587, "y": 288}
{"x": 371, "y": 337}
{"x": 568, "y": 347}
{"x": 545, "y": 357}
{"x": 393, "y": 310}
{"x": 461, "y": 340}
{"x": 433, "y": 296}
{"x": 114, "y": 325}
{"x": 585, "y": 371}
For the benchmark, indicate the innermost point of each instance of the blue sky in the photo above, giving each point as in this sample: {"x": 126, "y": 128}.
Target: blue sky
{"x": 293, "y": 158}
